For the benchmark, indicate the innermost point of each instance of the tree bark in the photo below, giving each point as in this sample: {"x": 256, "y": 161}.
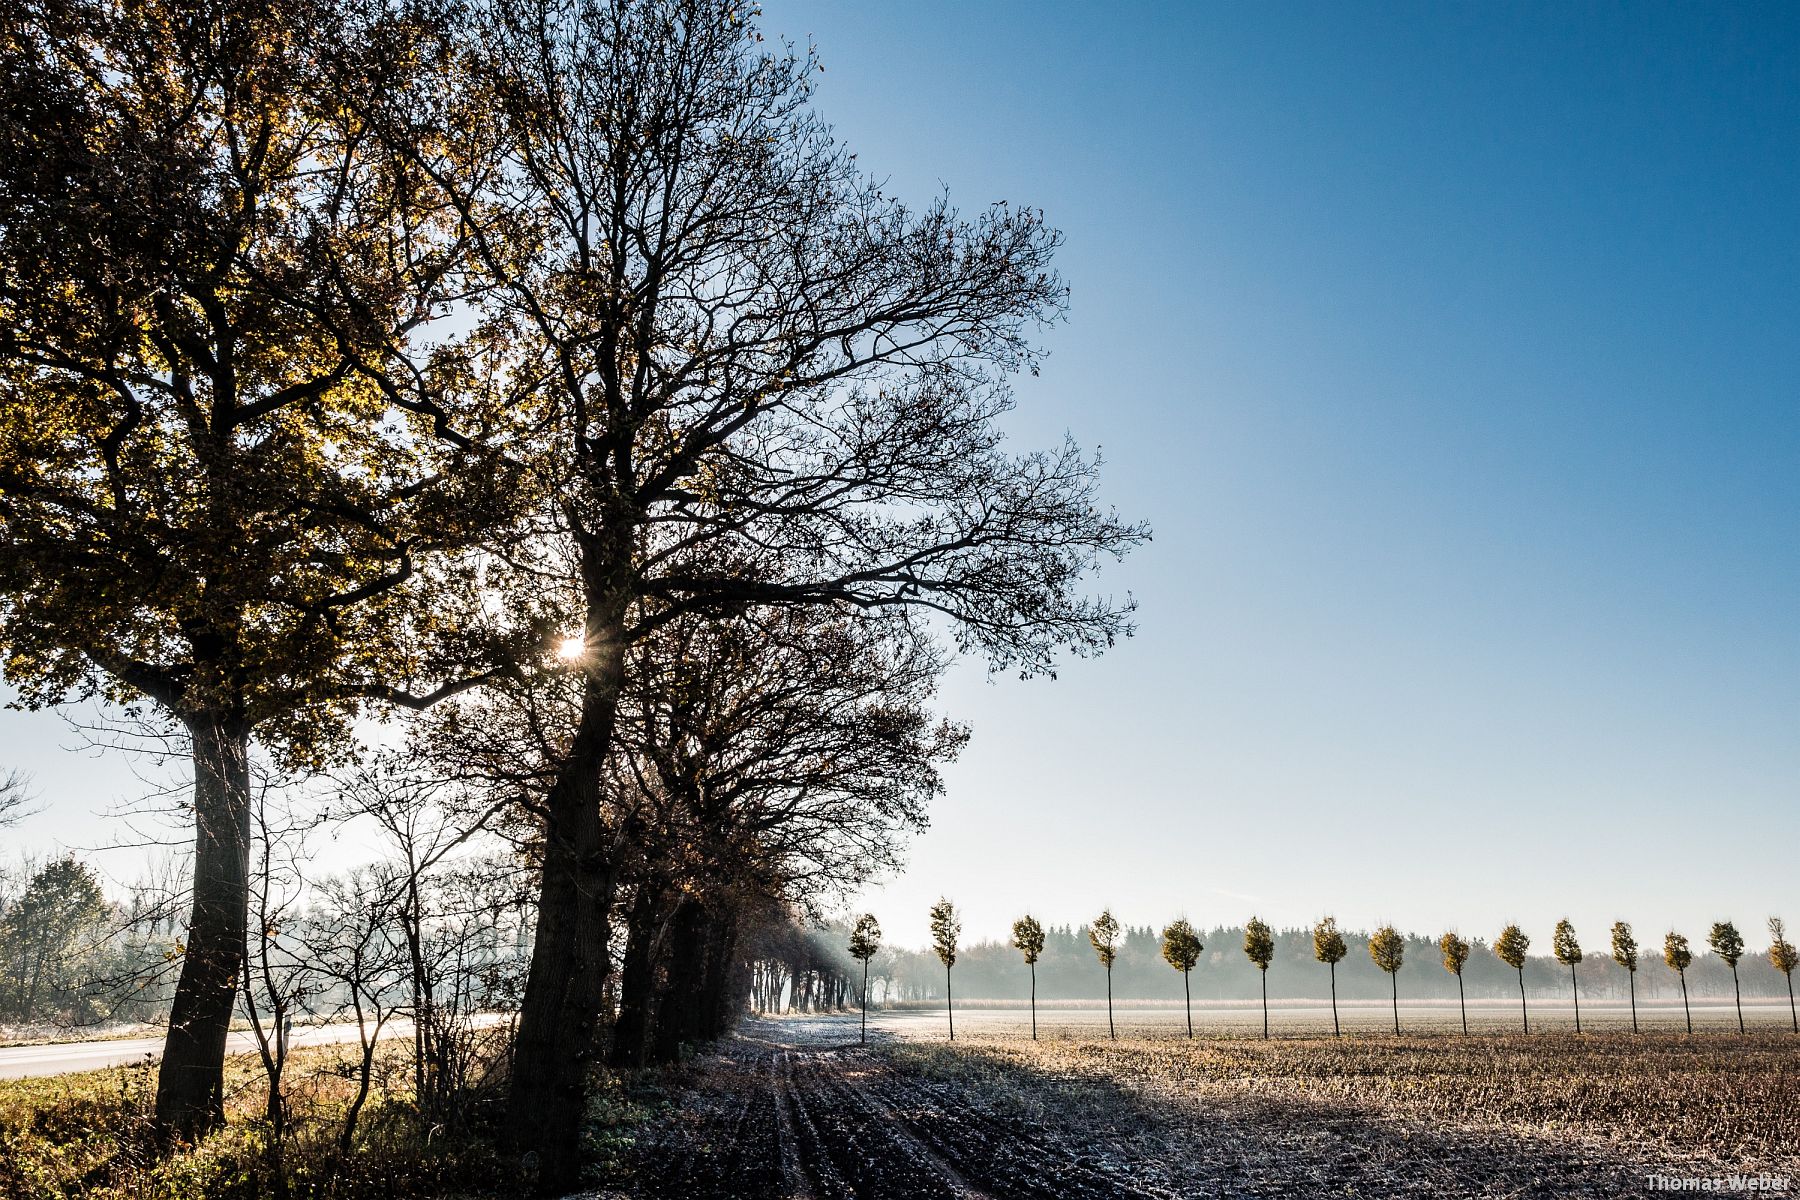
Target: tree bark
{"x": 631, "y": 1028}
{"x": 1575, "y": 987}
{"x": 1631, "y": 977}
{"x": 190, "y": 1084}
{"x": 1524, "y": 1013}
{"x": 677, "y": 1011}
{"x": 949, "y": 1004}
{"x": 1462, "y": 1003}
{"x": 1265, "y": 997}
{"x": 1110, "y": 1031}
{"x": 1336, "y": 1029}
{"x": 1685, "y": 1010}
{"x": 1737, "y": 996}
{"x": 1394, "y": 978}
{"x": 565, "y": 986}
{"x": 1034, "y": 999}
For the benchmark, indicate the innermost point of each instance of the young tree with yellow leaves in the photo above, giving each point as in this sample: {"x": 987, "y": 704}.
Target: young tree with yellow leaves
{"x": 865, "y": 940}
{"x": 1728, "y": 944}
{"x": 1568, "y": 952}
{"x": 1625, "y": 953}
{"x": 1456, "y": 955}
{"x": 1259, "y": 948}
{"x": 1388, "y": 949}
{"x": 1104, "y": 938}
{"x": 946, "y": 927}
{"x": 1028, "y": 939}
{"x": 1679, "y": 957}
{"x": 1181, "y": 948}
{"x": 1511, "y": 946}
{"x": 1783, "y": 958}
{"x": 1328, "y": 948}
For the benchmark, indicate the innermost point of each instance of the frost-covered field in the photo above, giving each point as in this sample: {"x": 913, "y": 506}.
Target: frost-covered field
{"x": 796, "y": 1108}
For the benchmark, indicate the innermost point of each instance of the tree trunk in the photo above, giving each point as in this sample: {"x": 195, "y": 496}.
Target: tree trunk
{"x": 1793, "y": 1013}
{"x": 190, "y": 1084}
{"x": 1394, "y": 978}
{"x": 631, "y": 1028}
{"x": 1462, "y": 1003}
{"x": 677, "y": 1018}
{"x": 1685, "y": 1010}
{"x": 1110, "y": 1031}
{"x": 949, "y": 1004}
{"x": 1524, "y": 1013}
{"x": 1336, "y": 1029}
{"x": 1034, "y": 998}
{"x": 1631, "y": 977}
{"x": 865, "y": 1003}
{"x": 565, "y": 986}
{"x": 1265, "y": 998}
{"x": 1575, "y": 987}
{"x": 1738, "y": 997}
{"x": 1187, "y": 1002}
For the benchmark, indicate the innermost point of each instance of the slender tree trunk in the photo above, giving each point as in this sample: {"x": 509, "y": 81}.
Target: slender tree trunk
{"x": 1738, "y": 997}
{"x": 1336, "y": 1030}
{"x": 1524, "y": 1013}
{"x": 1631, "y": 978}
{"x": 1685, "y": 1010}
{"x": 1034, "y": 998}
{"x": 1793, "y": 1013}
{"x": 190, "y": 1084}
{"x": 1187, "y": 1002}
{"x": 1462, "y": 1004}
{"x": 865, "y": 1003}
{"x": 1265, "y": 999}
{"x": 1394, "y": 979}
{"x": 1575, "y": 987}
{"x": 1111, "y": 1032}
{"x": 949, "y": 1004}
{"x": 565, "y": 986}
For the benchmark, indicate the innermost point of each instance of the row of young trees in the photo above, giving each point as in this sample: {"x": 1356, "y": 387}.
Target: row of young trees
{"x": 548, "y": 368}
{"x": 1181, "y": 946}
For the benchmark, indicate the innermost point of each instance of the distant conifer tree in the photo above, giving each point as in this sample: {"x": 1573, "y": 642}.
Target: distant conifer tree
{"x": 865, "y": 940}
{"x": 1028, "y": 939}
{"x": 1625, "y": 953}
{"x": 1568, "y": 953}
{"x": 1728, "y": 944}
{"x": 946, "y": 927}
{"x": 1259, "y": 948}
{"x": 1783, "y": 958}
{"x": 1181, "y": 949}
{"x": 1511, "y": 946}
{"x": 1104, "y": 938}
{"x": 1456, "y": 955}
{"x": 1680, "y": 958}
{"x": 1328, "y": 948}
{"x": 1388, "y": 949}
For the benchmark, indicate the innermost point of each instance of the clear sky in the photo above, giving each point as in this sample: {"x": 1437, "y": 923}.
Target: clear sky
{"x": 1454, "y": 353}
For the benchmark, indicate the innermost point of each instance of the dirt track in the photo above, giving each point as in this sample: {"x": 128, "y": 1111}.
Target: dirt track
{"x": 789, "y": 1110}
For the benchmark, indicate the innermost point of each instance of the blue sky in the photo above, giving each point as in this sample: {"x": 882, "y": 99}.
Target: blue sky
{"x": 1453, "y": 352}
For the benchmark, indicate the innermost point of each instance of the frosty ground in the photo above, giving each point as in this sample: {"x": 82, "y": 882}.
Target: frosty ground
{"x": 795, "y": 1107}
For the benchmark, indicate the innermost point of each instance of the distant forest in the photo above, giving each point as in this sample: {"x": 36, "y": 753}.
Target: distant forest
{"x": 1069, "y": 970}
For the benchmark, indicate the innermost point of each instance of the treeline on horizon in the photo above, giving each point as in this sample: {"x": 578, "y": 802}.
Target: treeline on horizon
{"x": 1068, "y": 970}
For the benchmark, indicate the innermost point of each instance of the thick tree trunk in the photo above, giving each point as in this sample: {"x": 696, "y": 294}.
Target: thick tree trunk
{"x": 678, "y": 1007}
{"x": 190, "y": 1084}
{"x": 564, "y": 989}
{"x": 631, "y": 1029}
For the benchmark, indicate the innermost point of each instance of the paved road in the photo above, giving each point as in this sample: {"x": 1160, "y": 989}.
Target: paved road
{"x": 19, "y": 1062}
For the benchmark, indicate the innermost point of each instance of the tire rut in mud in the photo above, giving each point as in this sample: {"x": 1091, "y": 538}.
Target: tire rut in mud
{"x": 841, "y": 1124}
